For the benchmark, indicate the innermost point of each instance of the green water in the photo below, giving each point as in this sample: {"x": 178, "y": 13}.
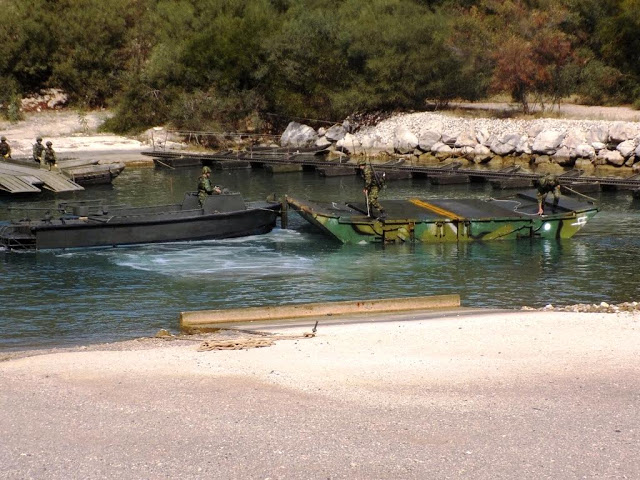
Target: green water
{"x": 62, "y": 298}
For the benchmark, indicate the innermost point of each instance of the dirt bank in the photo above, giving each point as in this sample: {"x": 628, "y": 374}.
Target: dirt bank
{"x": 527, "y": 395}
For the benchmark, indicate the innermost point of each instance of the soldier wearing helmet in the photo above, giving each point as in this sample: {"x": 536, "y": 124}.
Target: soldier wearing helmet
{"x": 38, "y": 151}
{"x": 204, "y": 186}
{"x": 50, "y": 156}
{"x": 5, "y": 149}
{"x": 545, "y": 185}
{"x": 373, "y": 183}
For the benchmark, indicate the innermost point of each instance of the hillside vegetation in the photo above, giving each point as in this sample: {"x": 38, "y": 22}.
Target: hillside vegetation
{"x": 255, "y": 64}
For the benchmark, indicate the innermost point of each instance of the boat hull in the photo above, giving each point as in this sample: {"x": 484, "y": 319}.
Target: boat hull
{"x": 442, "y": 221}
{"x": 170, "y": 223}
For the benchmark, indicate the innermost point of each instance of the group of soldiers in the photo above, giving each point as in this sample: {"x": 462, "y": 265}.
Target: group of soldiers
{"x": 373, "y": 183}
{"x": 42, "y": 155}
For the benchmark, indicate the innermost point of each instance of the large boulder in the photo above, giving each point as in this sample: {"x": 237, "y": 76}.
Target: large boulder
{"x": 449, "y": 137}
{"x": 524, "y": 147}
{"x": 481, "y": 154}
{"x": 404, "y": 140}
{"x": 612, "y": 157}
{"x": 466, "y": 139}
{"x": 627, "y": 148}
{"x": 621, "y": 131}
{"x": 298, "y": 135}
{"x": 323, "y": 142}
{"x": 573, "y": 138}
{"x": 440, "y": 147}
{"x": 428, "y": 139}
{"x": 335, "y": 133}
{"x": 564, "y": 156}
{"x": 482, "y": 136}
{"x": 597, "y": 134}
{"x": 547, "y": 142}
{"x": 349, "y": 144}
{"x": 585, "y": 150}
{"x": 506, "y": 144}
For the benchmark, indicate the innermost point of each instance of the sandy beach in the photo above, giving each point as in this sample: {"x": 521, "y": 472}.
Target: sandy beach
{"x": 483, "y": 395}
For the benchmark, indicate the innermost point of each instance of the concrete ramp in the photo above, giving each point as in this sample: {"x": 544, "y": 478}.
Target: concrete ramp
{"x": 215, "y": 319}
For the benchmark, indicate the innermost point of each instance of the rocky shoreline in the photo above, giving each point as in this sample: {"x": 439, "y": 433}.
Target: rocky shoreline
{"x": 596, "y": 147}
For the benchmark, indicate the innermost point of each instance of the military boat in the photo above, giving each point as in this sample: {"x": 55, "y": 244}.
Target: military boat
{"x": 92, "y": 224}
{"x": 447, "y": 220}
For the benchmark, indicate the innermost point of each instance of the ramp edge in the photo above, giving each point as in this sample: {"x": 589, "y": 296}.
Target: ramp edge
{"x": 277, "y": 312}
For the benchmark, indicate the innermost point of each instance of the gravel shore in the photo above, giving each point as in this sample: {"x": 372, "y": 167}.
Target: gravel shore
{"x": 522, "y": 394}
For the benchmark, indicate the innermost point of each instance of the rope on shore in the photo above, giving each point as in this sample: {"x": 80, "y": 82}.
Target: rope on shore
{"x": 248, "y": 342}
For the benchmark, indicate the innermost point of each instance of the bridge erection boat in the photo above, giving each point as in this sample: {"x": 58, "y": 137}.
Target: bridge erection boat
{"x": 92, "y": 224}
{"x": 447, "y": 220}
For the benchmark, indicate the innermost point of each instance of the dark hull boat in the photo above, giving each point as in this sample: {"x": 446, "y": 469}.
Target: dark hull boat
{"x": 447, "y": 220}
{"x": 90, "y": 224}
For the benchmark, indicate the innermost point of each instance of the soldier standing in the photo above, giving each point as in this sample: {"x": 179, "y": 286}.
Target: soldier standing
{"x": 5, "y": 149}
{"x": 38, "y": 151}
{"x": 545, "y": 185}
{"x": 50, "y": 156}
{"x": 372, "y": 186}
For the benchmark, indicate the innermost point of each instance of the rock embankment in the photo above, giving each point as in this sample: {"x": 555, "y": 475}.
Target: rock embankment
{"x": 596, "y": 147}
{"x": 602, "y": 307}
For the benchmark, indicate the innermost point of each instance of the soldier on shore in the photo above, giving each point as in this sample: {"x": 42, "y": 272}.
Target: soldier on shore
{"x": 50, "y": 156}
{"x": 38, "y": 151}
{"x": 5, "y": 149}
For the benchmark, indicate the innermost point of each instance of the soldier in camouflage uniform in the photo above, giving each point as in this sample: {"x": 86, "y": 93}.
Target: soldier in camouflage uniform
{"x": 372, "y": 185}
{"x": 204, "y": 186}
{"x": 5, "y": 149}
{"x": 38, "y": 151}
{"x": 50, "y": 156}
{"x": 545, "y": 185}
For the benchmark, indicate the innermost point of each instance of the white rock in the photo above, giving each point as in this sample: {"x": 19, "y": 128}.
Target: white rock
{"x": 547, "y": 142}
{"x": 574, "y": 137}
{"x": 585, "y": 150}
{"x": 506, "y": 144}
{"x": 598, "y": 134}
{"x": 440, "y": 147}
{"x": 405, "y": 141}
{"x": 481, "y": 153}
{"x": 449, "y": 137}
{"x": 349, "y": 143}
{"x": 335, "y": 133}
{"x": 298, "y": 135}
{"x": 621, "y": 131}
{"x": 613, "y": 157}
{"x": 627, "y": 148}
{"x": 323, "y": 142}
{"x": 428, "y": 139}
{"x": 482, "y": 135}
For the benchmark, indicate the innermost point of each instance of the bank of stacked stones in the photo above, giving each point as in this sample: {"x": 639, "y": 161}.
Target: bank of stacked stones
{"x": 596, "y": 147}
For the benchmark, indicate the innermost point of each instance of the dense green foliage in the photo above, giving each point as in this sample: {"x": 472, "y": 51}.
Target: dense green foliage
{"x": 250, "y": 64}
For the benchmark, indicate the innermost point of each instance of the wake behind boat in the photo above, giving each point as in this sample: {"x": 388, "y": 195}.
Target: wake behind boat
{"x": 92, "y": 224}
{"x": 447, "y": 220}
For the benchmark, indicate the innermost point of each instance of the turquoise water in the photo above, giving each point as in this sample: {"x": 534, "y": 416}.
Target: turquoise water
{"x": 82, "y": 296}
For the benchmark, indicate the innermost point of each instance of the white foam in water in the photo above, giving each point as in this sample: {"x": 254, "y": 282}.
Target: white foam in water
{"x": 239, "y": 257}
